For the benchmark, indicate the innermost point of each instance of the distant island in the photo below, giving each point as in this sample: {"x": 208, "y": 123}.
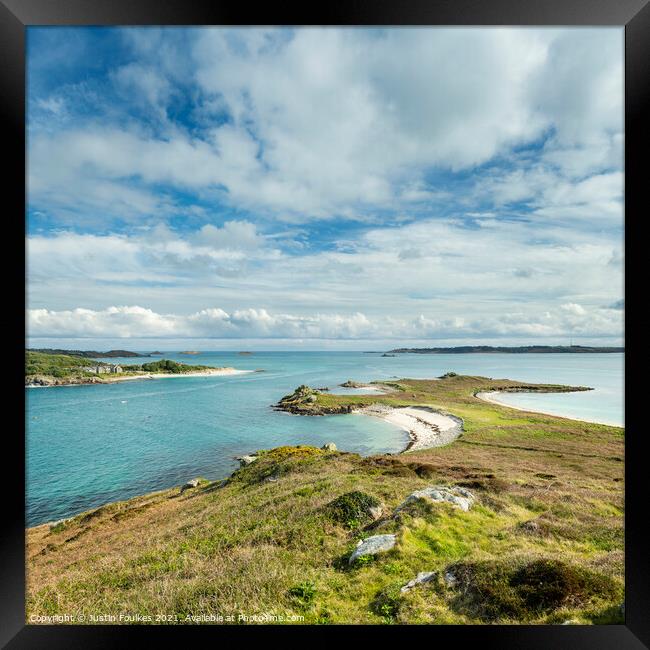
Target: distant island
{"x": 522, "y": 349}
{"x": 92, "y": 354}
{"x": 46, "y": 369}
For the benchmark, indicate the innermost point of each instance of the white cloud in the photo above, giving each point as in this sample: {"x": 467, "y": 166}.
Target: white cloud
{"x": 387, "y": 128}
{"x": 333, "y": 121}
{"x": 134, "y": 321}
{"x": 437, "y": 269}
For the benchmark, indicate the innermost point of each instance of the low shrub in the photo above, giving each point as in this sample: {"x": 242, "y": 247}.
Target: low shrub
{"x": 492, "y": 590}
{"x": 352, "y": 509}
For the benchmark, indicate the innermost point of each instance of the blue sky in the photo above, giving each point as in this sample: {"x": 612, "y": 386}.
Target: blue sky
{"x": 324, "y": 188}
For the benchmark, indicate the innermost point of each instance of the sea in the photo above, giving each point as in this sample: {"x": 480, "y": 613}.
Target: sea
{"x": 88, "y": 445}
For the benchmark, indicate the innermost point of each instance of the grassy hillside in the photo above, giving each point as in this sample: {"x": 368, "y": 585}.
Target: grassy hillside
{"x": 55, "y": 365}
{"x": 542, "y": 544}
{"x": 63, "y": 368}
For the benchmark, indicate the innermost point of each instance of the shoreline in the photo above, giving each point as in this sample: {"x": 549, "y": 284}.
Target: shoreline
{"x": 426, "y": 427}
{"x": 93, "y": 381}
{"x": 489, "y": 397}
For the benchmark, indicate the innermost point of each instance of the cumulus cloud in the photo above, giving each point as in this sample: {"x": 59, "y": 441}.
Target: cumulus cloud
{"x": 383, "y": 272}
{"x": 216, "y": 323}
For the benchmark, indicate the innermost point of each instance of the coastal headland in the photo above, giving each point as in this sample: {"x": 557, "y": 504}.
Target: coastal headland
{"x": 53, "y": 369}
{"x": 518, "y": 519}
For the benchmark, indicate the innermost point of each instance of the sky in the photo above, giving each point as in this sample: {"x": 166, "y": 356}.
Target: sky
{"x": 336, "y": 188}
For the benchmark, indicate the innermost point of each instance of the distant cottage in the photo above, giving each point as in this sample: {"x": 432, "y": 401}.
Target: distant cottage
{"x": 105, "y": 369}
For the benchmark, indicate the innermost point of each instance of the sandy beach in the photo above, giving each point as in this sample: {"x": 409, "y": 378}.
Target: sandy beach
{"x": 367, "y": 390}
{"x": 426, "y": 428}
{"x": 492, "y": 397}
{"x": 215, "y": 372}
{"x": 110, "y": 379}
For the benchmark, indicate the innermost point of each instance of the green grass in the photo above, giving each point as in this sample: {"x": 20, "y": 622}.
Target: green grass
{"x": 542, "y": 544}
{"x": 167, "y": 366}
{"x": 63, "y": 366}
{"x": 55, "y": 365}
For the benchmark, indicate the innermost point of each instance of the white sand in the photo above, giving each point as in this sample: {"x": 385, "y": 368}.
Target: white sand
{"x": 426, "y": 428}
{"x": 493, "y": 397}
{"x": 213, "y": 372}
{"x": 368, "y": 390}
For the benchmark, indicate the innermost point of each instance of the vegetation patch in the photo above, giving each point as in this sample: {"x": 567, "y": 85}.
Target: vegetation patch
{"x": 494, "y": 590}
{"x": 424, "y": 470}
{"x": 168, "y": 366}
{"x": 278, "y": 462}
{"x": 387, "y": 602}
{"x": 303, "y": 593}
{"x": 353, "y": 509}
{"x": 485, "y": 484}
{"x": 387, "y": 465}
{"x": 56, "y": 365}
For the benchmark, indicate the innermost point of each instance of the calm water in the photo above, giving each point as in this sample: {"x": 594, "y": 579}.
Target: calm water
{"x": 89, "y": 445}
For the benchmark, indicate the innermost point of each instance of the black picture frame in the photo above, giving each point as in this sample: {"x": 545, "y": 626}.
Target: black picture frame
{"x": 634, "y": 15}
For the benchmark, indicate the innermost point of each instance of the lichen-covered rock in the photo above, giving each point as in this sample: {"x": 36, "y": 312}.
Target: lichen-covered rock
{"x": 457, "y": 496}
{"x": 244, "y": 461}
{"x": 330, "y": 446}
{"x": 372, "y": 546}
{"x": 423, "y": 576}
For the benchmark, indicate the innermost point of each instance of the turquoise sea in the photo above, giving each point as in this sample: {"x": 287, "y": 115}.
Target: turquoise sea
{"x": 92, "y": 444}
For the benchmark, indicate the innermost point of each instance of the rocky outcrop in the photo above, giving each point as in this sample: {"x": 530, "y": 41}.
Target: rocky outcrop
{"x": 352, "y": 384}
{"x": 48, "y": 380}
{"x": 244, "y": 461}
{"x": 329, "y": 446}
{"x": 304, "y": 401}
{"x": 457, "y": 496}
{"x": 372, "y": 546}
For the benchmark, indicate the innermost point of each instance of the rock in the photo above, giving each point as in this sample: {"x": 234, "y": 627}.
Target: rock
{"x": 330, "y": 446}
{"x": 375, "y": 512}
{"x": 372, "y": 546}
{"x": 190, "y": 484}
{"x": 270, "y": 479}
{"x": 530, "y": 526}
{"x": 450, "y": 579}
{"x": 571, "y": 621}
{"x": 457, "y": 496}
{"x": 244, "y": 461}
{"x": 423, "y": 576}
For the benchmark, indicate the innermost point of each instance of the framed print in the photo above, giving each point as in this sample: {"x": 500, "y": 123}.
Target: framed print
{"x": 326, "y": 321}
